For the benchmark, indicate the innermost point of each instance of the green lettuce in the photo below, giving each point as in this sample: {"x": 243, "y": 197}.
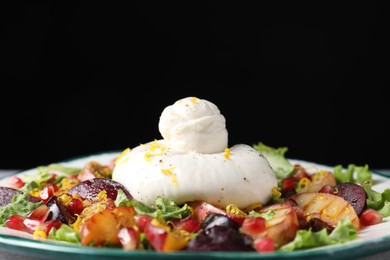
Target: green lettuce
{"x": 380, "y": 201}
{"x": 363, "y": 174}
{"x": 20, "y": 205}
{"x": 162, "y": 209}
{"x": 281, "y": 166}
{"x": 65, "y": 233}
{"x": 343, "y": 232}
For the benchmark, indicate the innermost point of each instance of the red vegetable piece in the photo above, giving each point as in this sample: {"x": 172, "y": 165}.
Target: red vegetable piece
{"x": 370, "y": 217}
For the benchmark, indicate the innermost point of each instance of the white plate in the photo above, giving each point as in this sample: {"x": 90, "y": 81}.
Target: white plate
{"x": 371, "y": 240}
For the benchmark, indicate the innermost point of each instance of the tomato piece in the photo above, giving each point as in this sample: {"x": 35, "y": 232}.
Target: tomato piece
{"x": 142, "y": 221}
{"x": 16, "y": 222}
{"x": 253, "y": 226}
{"x": 156, "y": 236}
{"x": 189, "y": 224}
{"x": 370, "y": 217}
{"x": 264, "y": 244}
{"x": 16, "y": 182}
{"x": 48, "y": 192}
{"x": 128, "y": 238}
{"x": 41, "y": 213}
{"x": 53, "y": 223}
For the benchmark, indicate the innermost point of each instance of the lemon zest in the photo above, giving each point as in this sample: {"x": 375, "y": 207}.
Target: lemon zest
{"x": 254, "y": 206}
{"x": 276, "y": 192}
{"x": 123, "y": 153}
{"x": 102, "y": 195}
{"x": 39, "y": 233}
{"x": 227, "y": 153}
{"x": 35, "y": 192}
{"x": 77, "y": 224}
{"x": 169, "y": 172}
{"x": 234, "y": 210}
{"x": 303, "y": 184}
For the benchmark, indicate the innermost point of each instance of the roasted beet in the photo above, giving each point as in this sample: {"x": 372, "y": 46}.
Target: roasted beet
{"x": 217, "y": 219}
{"x": 6, "y": 195}
{"x": 354, "y": 194}
{"x": 90, "y": 188}
{"x": 316, "y": 224}
{"x": 220, "y": 238}
{"x": 59, "y": 211}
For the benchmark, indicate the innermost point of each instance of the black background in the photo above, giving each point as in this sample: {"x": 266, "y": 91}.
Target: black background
{"x": 82, "y": 77}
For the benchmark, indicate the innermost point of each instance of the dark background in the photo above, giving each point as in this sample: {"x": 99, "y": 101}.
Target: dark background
{"x": 82, "y": 77}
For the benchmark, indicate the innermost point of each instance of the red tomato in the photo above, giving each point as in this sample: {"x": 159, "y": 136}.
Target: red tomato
{"x": 253, "y": 226}
{"x": 47, "y": 192}
{"x": 52, "y": 223}
{"x": 156, "y": 236}
{"x": 129, "y": 238}
{"x": 16, "y": 222}
{"x": 142, "y": 221}
{"x": 16, "y": 182}
{"x": 370, "y": 217}
{"x": 41, "y": 213}
{"x": 288, "y": 184}
{"x": 264, "y": 244}
{"x": 189, "y": 224}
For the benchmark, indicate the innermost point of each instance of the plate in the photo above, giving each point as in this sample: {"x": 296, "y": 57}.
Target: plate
{"x": 371, "y": 240}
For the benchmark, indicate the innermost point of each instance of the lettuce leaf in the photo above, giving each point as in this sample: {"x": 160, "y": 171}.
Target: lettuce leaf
{"x": 65, "y": 233}
{"x": 363, "y": 174}
{"x": 281, "y": 166}
{"x": 343, "y": 232}
{"x": 19, "y": 206}
{"x": 380, "y": 201}
{"x": 162, "y": 209}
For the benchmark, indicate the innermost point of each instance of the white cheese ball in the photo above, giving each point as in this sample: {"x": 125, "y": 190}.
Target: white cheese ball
{"x": 193, "y": 161}
{"x": 239, "y": 176}
{"x": 194, "y": 125}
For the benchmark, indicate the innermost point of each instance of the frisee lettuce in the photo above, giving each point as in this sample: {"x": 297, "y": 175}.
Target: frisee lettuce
{"x": 279, "y": 163}
{"x": 353, "y": 173}
{"x": 304, "y": 239}
{"x": 162, "y": 209}
{"x": 20, "y": 205}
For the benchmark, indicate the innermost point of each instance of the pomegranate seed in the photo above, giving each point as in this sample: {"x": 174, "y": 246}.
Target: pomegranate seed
{"x": 288, "y": 184}
{"x": 76, "y": 206}
{"x": 370, "y": 217}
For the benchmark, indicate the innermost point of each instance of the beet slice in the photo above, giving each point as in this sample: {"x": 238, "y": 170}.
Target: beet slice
{"x": 90, "y": 188}
{"x": 354, "y": 194}
{"x": 6, "y": 195}
{"x": 59, "y": 211}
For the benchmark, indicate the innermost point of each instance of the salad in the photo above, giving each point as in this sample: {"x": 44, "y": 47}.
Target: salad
{"x": 294, "y": 207}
